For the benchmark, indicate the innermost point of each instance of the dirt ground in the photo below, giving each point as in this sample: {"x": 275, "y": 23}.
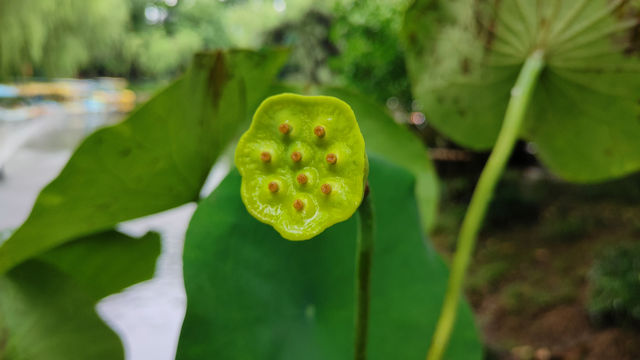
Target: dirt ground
{"x": 529, "y": 281}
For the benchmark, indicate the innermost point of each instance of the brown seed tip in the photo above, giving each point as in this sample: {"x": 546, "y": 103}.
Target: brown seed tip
{"x": 265, "y": 156}
{"x": 302, "y": 179}
{"x": 298, "y": 204}
{"x": 319, "y": 131}
{"x": 273, "y": 186}
{"x": 332, "y": 158}
{"x": 284, "y": 128}
{"x": 296, "y": 156}
{"x": 326, "y": 189}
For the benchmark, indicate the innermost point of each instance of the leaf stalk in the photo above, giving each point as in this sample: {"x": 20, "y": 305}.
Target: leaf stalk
{"x": 364, "y": 252}
{"x": 521, "y": 95}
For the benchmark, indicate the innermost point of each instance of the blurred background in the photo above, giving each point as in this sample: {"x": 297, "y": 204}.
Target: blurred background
{"x": 556, "y": 273}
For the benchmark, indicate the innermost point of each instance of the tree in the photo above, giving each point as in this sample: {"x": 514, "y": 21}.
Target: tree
{"x": 47, "y": 38}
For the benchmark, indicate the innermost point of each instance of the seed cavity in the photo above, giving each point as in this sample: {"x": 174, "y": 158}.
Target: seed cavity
{"x": 298, "y": 204}
{"x": 296, "y": 156}
{"x": 265, "y": 156}
{"x": 302, "y": 179}
{"x": 332, "y": 158}
{"x": 326, "y": 189}
{"x": 319, "y": 131}
{"x": 284, "y": 128}
{"x": 273, "y": 187}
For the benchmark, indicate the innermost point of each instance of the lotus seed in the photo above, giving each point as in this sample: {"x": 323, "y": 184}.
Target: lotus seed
{"x": 273, "y": 186}
{"x": 265, "y": 157}
{"x": 319, "y": 131}
{"x": 326, "y": 189}
{"x": 298, "y": 204}
{"x": 296, "y": 156}
{"x": 284, "y": 128}
{"x": 332, "y": 158}
{"x": 302, "y": 179}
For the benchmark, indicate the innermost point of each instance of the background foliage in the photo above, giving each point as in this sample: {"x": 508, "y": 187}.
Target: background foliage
{"x": 49, "y": 38}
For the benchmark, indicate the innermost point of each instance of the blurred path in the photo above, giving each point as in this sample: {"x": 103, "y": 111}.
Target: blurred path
{"x": 148, "y": 316}
{"x": 13, "y": 136}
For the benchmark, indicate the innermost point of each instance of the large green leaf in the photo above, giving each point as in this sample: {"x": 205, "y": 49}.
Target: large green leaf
{"x": 44, "y": 315}
{"x": 391, "y": 141}
{"x": 464, "y": 57}
{"x": 254, "y": 295}
{"x": 108, "y": 262}
{"x": 47, "y": 305}
{"x": 155, "y": 160}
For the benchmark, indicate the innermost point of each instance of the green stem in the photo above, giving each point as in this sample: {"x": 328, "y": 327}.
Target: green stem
{"x": 364, "y": 252}
{"x": 516, "y": 110}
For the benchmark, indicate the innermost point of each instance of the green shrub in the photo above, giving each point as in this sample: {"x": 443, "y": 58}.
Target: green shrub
{"x": 371, "y": 58}
{"x": 615, "y": 285}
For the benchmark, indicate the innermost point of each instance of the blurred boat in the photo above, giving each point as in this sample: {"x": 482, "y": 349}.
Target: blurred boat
{"x": 77, "y": 97}
{"x": 8, "y": 91}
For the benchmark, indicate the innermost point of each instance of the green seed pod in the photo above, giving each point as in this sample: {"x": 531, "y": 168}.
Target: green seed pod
{"x": 303, "y": 164}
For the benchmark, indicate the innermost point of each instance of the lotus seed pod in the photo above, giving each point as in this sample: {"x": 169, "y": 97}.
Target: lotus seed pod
{"x": 303, "y": 164}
